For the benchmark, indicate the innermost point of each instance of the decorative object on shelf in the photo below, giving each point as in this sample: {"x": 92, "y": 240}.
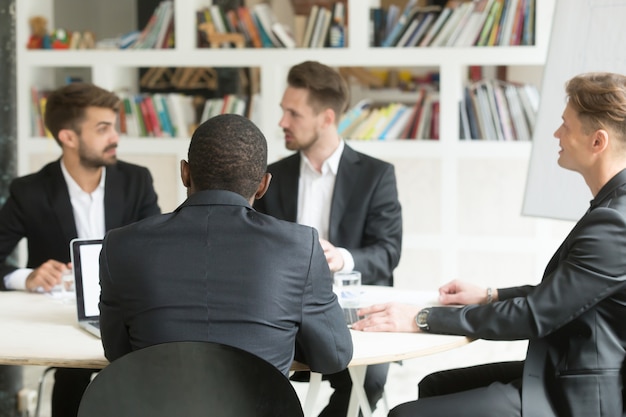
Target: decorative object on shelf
{"x": 217, "y": 39}
{"x": 39, "y": 37}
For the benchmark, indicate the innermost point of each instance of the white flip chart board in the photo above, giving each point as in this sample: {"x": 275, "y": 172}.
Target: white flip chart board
{"x": 587, "y": 36}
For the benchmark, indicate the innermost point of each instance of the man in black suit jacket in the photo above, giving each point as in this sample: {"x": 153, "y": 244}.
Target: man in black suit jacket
{"x": 574, "y": 319}
{"x": 83, "y": 194}
{"x": 349, "y": 197}
{"x": 217, "y": 270}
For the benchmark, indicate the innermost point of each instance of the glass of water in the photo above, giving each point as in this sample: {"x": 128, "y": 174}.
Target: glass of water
{"x": 347, "y": 286}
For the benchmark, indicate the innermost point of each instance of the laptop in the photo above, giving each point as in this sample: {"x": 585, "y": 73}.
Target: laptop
{"x": 85, "y": 255}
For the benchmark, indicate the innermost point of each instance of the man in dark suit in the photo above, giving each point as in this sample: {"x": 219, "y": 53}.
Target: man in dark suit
{"x": 349, "y": 197}
{"x": 84, "y": 193}
{"x": 573, "y": 319}
{"x": 217, "y": 270}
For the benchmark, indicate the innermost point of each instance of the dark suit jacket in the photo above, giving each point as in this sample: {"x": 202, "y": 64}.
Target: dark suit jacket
{"x": 365, "y": 216}
{"x": 217, "y": 270}
{"x": 575, "y": 319}
{"x": 38, "y": 208}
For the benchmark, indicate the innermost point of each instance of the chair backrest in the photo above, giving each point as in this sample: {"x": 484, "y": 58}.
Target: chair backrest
{"x": 190, "y": 379}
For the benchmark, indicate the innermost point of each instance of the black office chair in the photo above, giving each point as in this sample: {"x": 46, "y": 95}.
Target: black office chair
{"x": 190, "y": 379}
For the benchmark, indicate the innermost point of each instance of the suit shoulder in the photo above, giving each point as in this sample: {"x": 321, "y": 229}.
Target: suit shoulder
{"x": 38, "y": 178}
{"x": 284, "y": 163}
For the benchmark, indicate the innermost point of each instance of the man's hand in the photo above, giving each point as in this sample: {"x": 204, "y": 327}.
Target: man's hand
{"x": 389, "y": 317}
{"x": 333, "y": 256}
{"x": 463, "y": 293}
{"x": 48, "y": 275}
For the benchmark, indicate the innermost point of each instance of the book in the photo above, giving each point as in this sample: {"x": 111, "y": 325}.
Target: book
{"x": 504, "y": 115}
{"x": 436, "y": 27}
{"x": 246, "y": 20}
{"x": 464, "y": 12}
{"x": 451, "y": 23}
{"x": 489, "y": 23}
{"x": 518, "y": 24}
{"x": 398, "y": 124}
{"x": 426, "y": 20}
{"x": 352, "y": 114}
{"x": 266, "y": 18}
{"x": 508, "y": 19}
{"x": 495, "y": 31}
{"x": 472, "y": 30}
{"x": 398, "y": 28}
{"x": 520, "y": 124}
{"x": 181, "y": 113}
{"x": 394, "y": 116}
{"x": 528, "y": 37}
{"x": 310, "y": 25}
{"x": 284, "y": 35}
{"x": 322, "y": 22}
{"x": 391, "y": 18}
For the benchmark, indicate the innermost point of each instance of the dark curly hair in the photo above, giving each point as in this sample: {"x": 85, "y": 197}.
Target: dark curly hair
{"x": 228, "y": 152}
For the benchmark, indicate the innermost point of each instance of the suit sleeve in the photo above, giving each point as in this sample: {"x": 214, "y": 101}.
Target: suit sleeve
{"x": 379, "y": 253}
{"x": 591, "y": 268}
{"x": 10, "y": 235}
{"x": 115, "y": 338}
{"x": 324, "y": 341}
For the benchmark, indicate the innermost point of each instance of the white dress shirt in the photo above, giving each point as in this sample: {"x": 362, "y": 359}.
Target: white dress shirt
{"x": 315, "y": 194}
{"x": 88, "y": 209}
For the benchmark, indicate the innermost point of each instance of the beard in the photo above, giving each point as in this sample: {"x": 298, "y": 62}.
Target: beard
{"x": 88, "y": 157}
{"x": 300, "y": 145}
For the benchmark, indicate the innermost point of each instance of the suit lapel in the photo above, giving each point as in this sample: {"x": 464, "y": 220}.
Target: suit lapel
{"x": 60, "y": 202}
{"x": 347, "y": 179}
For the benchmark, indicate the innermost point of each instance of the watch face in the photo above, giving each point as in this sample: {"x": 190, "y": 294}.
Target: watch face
{"x": 422, "y": 318}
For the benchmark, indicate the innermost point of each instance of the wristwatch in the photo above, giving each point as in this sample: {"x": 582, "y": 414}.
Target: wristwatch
{"x": 422, "y": 319}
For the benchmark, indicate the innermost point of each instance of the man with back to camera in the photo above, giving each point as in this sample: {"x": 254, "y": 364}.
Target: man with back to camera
{"x": 349, "y": 197}
{"x": 217, "y": 270}
{"x": 573, "y": 319}
{"x": 82, "y": 194}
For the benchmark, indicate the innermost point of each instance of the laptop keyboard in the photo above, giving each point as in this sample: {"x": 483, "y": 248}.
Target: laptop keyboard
{"x": 95, "y": 323}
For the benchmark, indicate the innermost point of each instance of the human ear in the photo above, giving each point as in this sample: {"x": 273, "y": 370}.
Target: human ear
{"x": 185, "y": 176}
{"x": 263, "y": 186}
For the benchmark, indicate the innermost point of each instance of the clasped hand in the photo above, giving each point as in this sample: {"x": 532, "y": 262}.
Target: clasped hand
{"x": 48, "y": 275}
{"x": 397, "y": 317}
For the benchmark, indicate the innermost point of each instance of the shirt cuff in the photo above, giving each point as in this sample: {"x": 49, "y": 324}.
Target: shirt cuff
{"x": 16, "y": 280}
{"x": 348, "y": 260}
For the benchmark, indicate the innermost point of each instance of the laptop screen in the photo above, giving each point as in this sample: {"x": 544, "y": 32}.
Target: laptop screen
{"x": 86, "y": 263}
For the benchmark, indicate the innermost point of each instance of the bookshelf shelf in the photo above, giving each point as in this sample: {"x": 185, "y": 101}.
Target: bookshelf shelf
{"x": 437, "y": 169}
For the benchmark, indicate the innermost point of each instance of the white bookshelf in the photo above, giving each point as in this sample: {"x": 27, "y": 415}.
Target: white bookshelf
{"x": 461, "y": 199}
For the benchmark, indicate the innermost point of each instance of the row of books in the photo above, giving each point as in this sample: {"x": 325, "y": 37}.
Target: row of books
{"x": 176, "y": 115}
{"x": 498, "y": 110}
{"x": 158, "y": 33}
{"x": 458, "y": 23}
{"x": 260, "y": 27}
{"x": 156, "y": 115}
{"x": 419, "y": 120}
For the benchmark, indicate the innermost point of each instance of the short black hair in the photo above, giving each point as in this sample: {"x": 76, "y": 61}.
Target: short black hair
{"x": 228, "y": 152}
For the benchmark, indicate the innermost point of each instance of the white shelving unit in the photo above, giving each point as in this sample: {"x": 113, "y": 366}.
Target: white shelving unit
{"x": 461, "y": 199}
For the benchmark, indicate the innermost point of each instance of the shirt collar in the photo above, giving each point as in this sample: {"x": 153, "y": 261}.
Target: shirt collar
{"x": 330, "y": 165}
{"x": 73, "y": 187}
